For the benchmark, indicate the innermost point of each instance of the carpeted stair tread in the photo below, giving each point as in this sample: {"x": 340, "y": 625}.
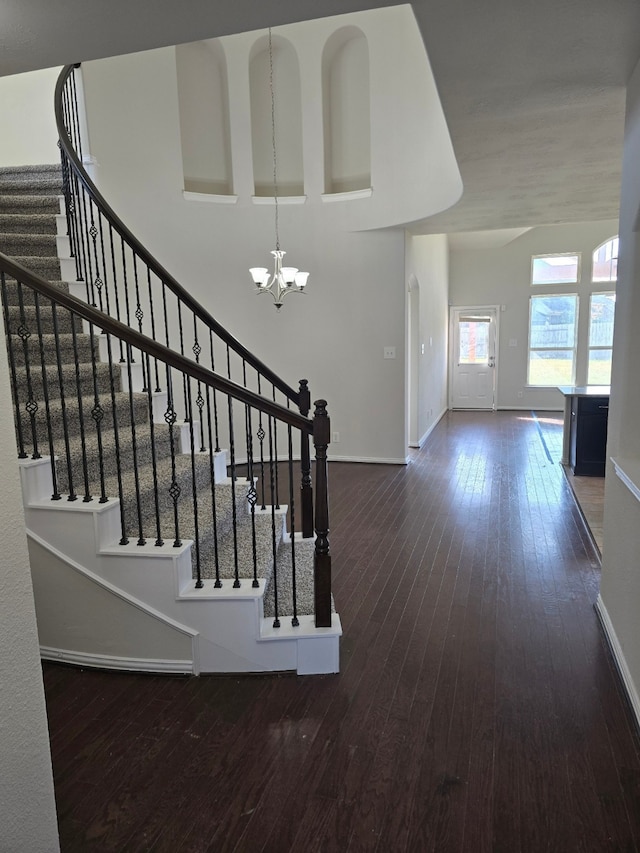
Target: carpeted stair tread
{"x": 113, "y": 453}
{"x": 28, "y": 316}
{"x": 18, "y": 186}
{"x": 244, "y": 547}
{"x": 83, "y": 374}
{"x": 304, "y": 562}
{"x": 47, "y": 267}
{"x": 28, "y": 204}
{"x": 28, "y": 245}
{"x": 30, "y": 171}
{"x": 140, "y": 404}
{"x": 13, "y": 291}
{"x": 26, "y": 224}
{"x": 69, "y": 346}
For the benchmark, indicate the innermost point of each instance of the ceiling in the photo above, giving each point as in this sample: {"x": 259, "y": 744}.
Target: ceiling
{"x": 533, "y": 92}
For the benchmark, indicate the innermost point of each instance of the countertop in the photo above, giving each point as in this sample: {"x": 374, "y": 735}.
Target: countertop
{"x": 584, "y": 390}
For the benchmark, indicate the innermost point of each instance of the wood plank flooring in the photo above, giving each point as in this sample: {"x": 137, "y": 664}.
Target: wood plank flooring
{"x": 478, "y": 708}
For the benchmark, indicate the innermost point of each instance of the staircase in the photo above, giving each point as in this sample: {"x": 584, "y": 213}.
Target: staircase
{"x": 151, "y": 548}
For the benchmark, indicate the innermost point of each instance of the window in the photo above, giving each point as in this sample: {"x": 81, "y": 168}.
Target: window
{"x": 605, "y": 261}
{"x": 601, "y": 314}
{"x": 552, "y": 339}
{"x": 555, "y": 269}
{"x": 473, "y": 334}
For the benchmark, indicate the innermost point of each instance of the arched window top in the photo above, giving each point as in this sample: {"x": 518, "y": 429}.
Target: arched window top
{"x": 605, "y": 261}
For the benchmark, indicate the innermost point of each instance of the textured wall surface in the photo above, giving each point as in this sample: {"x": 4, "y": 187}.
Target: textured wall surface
{"x": 27, "y": 807}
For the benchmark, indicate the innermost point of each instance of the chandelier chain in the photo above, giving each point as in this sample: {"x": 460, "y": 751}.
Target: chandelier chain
{"x": 273, "y": 139}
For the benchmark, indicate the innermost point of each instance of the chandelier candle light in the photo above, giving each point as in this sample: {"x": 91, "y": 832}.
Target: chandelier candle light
{"x": 284, "y": 279}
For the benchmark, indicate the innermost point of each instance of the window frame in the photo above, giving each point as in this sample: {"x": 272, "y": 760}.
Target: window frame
{"x": 597, "y": 347}
{"x": 573, "y": 349}
{"x": 561, "y": 283}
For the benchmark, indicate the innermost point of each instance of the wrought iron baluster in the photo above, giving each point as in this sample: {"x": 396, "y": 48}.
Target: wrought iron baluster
{"x": 275, "y": 453}
{"x": 97, "y": 413}
{"x": 292, "y": 521}
{"x": 31, "y": 406}
{"x": 215, "y": 397}
{"x": 252, "y": 496}
{"x": 45, "y": 392}
{"x": 85, "y": 262}
{"x": 194, "y": 491}
{"x": 134, "y": 449}
{"x": 116, "y": 289}
{"x": 217, "y": 584}
{"x": 232, "y": 459}
{"x": 261, "y": 436}
{"x": 63, "y": 402}
{"x": 124, "y": 538}
{"x": 22, "y": 453}
{"x": 139, "y": 313}
{"x": 171, "y": 417}
{"x": 197, "y": 349}
{"x": 83, "y": 438}
{"x": 153, "y": 328}
{"x": 154, "y": 465}
{"x": 274, "y": 544}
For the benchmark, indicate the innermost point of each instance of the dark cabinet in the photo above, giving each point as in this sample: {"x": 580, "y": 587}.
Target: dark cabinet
{"x": 589, "y": 417}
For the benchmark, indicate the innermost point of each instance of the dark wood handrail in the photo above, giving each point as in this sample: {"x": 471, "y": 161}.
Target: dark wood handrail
{"x": 152, "y": 347}
{"x": 148, "y": 258}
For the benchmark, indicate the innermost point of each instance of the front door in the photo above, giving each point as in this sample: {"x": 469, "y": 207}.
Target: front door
{"x": 473, "y": 363}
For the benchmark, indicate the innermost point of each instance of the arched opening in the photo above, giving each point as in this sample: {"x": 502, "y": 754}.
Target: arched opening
{"x": 346, "y": 111}
{"x": 287, "y": 115}
{"x": 204, "y": 117}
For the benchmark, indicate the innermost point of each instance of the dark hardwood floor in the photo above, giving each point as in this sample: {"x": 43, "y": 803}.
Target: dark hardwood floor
{"x": 478, "y": 707}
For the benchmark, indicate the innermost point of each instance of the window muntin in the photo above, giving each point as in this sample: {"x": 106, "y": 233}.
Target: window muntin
{"x": 601, "y": 318}
{"x": 563, "y": 268}
{"x": 553, "y": 324}
{"x": 473, "y": 338}
{"x": 605, "y": 261}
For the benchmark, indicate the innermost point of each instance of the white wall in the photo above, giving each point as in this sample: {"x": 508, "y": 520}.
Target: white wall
{"x": 355, "y": 302}
{"x": 27, "y": 805}
{"x": 29, "y": 133}
{"x": 502, "y": 276}
{"x": 427, "y": 273}
{"x": 620, "y": 587}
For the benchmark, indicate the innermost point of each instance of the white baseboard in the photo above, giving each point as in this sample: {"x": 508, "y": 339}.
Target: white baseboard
{"x": 422, "y": 440}
{"x": 528, "y": 409}
{"x": 376, "y": 460}
{"x": 108, "y": 662}
{"x": 616, "y": 648}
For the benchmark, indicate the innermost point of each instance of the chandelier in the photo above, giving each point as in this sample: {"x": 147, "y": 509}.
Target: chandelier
{"x": 283, "y": 280}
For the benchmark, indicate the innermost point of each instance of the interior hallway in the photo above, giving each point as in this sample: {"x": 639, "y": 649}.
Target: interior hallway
{"x": 478, "y": 708}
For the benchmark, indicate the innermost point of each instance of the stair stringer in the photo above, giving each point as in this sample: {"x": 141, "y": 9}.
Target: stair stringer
{"x": 228, "y": 630}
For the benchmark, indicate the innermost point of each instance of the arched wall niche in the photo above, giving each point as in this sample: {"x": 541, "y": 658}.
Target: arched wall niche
{"x": 288, "y": 118}
{"x": 204, "y": 117}
{"x": 346, "y": 111}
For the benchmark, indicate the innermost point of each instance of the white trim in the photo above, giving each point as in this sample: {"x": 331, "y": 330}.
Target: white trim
{"x": 286, "y": 199}
{"x": 422, "y": 440}
{"x": 497, "y": 310}
{"x": 185, "y": 667}
{"x": 209, "y": 198}
{"x": 371, "y": 459}
{"x": 628, "y": 470}
{"x": 348, "y": 196}
{"x": 526, "y": 409}
{"x": 616, "y": 649}
{"x": 109, "y": 587}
